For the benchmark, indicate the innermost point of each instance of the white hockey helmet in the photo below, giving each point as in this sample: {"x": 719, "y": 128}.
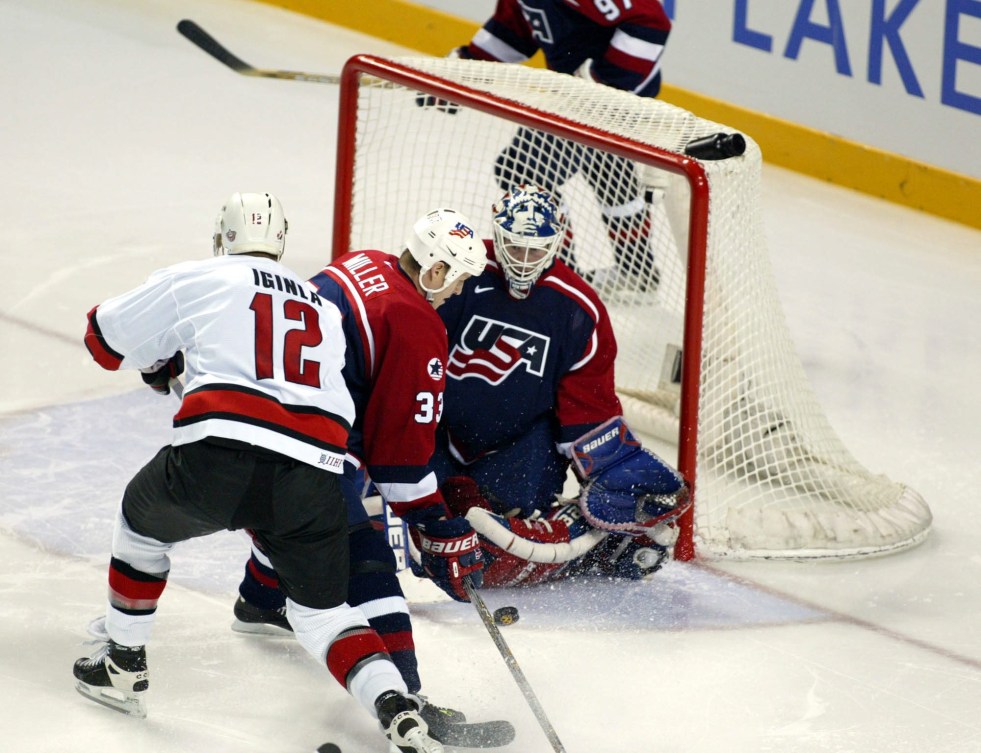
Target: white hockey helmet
{"x": 251, "y": 222}
{"x": 446, "y": 235}
{"x": 527, "y": 235}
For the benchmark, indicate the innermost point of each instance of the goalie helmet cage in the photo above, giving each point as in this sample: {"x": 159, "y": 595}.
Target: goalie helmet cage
{"x": 705, "y": 359}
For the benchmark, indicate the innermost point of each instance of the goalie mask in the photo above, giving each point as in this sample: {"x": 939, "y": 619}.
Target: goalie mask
{"x": 446, "y": 235}
{"x": 527, "y": 235}
{"x": 251, "y": 223}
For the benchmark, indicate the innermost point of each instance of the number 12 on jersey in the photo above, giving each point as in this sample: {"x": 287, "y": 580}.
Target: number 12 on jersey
{"x": 296, "y": 369}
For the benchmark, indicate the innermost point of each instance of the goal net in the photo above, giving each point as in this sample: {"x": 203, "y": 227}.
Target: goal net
{"x": 674, "y": 246}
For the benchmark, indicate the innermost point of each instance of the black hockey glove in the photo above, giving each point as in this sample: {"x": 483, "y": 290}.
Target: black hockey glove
{"x": 158, "y": 376}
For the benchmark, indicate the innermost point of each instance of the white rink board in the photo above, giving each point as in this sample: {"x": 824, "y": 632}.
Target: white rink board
{"x": 816, "y": 64}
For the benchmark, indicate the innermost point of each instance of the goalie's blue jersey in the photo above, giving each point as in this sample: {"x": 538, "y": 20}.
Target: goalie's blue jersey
{"x": 623, "y": 38}
{"x": 513, "y": 364}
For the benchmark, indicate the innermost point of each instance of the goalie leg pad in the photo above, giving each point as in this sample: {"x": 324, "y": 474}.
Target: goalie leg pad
{"x": 503, "y": 570}
{"x": 622, "y": 557}
{"x": 260, "y": 584}
{"x": 525, "y": 551}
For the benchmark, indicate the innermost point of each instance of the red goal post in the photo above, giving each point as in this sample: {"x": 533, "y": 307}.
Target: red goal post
{"x": 769, "y": 477}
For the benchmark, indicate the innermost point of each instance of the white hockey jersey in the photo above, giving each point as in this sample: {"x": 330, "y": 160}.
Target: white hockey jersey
{"x": 263, "y": 354}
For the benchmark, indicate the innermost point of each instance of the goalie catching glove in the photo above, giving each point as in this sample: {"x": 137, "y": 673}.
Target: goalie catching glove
{"x": 449, "y": 551}
{"x": 626, "y": 488}
{"x": 158, "y": 376}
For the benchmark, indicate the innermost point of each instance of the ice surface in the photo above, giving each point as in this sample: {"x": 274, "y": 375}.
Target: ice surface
{"x": 120, "y": 140}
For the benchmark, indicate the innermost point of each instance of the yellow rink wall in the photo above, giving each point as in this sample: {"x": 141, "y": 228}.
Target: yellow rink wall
{"x": 821, "y": 155}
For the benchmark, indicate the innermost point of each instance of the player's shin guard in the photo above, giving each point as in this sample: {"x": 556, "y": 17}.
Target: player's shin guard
{"x": 133, "y": 598}
{"x": 379, "y": 596}
{"x": 374, "y": 589}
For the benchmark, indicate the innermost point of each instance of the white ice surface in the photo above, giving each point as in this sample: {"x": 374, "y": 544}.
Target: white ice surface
{"x": 119, "y": 140}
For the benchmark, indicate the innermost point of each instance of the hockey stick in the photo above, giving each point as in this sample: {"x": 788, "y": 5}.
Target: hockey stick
{"x": 177, "y": 387}
{"x": 512, "y": 663}
{"x": 213, "y": 47}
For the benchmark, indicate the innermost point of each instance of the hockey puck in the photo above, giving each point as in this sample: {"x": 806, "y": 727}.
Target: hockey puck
{"x": 328, "y": 748}
{"x": 506, "y": 615}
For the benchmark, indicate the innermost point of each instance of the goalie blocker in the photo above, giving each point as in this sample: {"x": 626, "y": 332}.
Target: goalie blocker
{"x": 620, "y": 526}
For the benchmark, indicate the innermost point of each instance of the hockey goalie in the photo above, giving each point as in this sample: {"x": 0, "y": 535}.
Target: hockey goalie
{"x": 529, "y": 394}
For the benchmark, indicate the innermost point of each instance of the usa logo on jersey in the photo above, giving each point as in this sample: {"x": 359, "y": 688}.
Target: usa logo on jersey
{"x": 435, "y": 369}
{"x": 492, "y": 350}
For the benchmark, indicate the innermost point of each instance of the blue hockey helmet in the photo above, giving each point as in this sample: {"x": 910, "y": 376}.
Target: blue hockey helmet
{"x": 527, "y": 235}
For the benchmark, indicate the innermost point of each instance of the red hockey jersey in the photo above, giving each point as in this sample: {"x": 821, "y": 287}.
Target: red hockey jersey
{"x": 623, "y": 38}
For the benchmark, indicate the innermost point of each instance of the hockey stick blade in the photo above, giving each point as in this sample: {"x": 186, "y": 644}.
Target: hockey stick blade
{"x": 202, "y": 39}
{"x": 495, "y": 734}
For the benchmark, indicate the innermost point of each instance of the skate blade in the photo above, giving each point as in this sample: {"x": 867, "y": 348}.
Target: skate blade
{"x": 261, "y": 628}
{"x": 126, "y": 703}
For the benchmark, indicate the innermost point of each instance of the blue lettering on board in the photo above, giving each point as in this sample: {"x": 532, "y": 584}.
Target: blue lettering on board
{"x": 885, "y": 28}
{"x": 743, "y": 34}
{"x": 833, "y": 34}
{"x": 957, "y": 51}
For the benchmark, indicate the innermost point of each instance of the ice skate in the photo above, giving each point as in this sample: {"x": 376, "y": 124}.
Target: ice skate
{"x": 451, "y": 727}
{"x": 115, "y": 676}
{"x": 257, "y": 621}
{"x": 403, "y": 725}
{"x": 437, "y": 715}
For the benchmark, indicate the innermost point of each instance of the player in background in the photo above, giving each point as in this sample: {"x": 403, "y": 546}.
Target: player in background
{"x": 396, "y": 373}
{"x": 259, "y": 443}
{"x": 530, "y": 390}
{"x": 613, "y": 42}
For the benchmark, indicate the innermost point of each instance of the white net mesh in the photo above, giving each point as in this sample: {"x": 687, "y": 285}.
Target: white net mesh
{"x": 772, "y": 479}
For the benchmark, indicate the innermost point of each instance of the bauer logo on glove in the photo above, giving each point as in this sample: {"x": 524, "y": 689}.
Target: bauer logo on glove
{"x": 449, "y": 546}
{"x": 449, "y": 551}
